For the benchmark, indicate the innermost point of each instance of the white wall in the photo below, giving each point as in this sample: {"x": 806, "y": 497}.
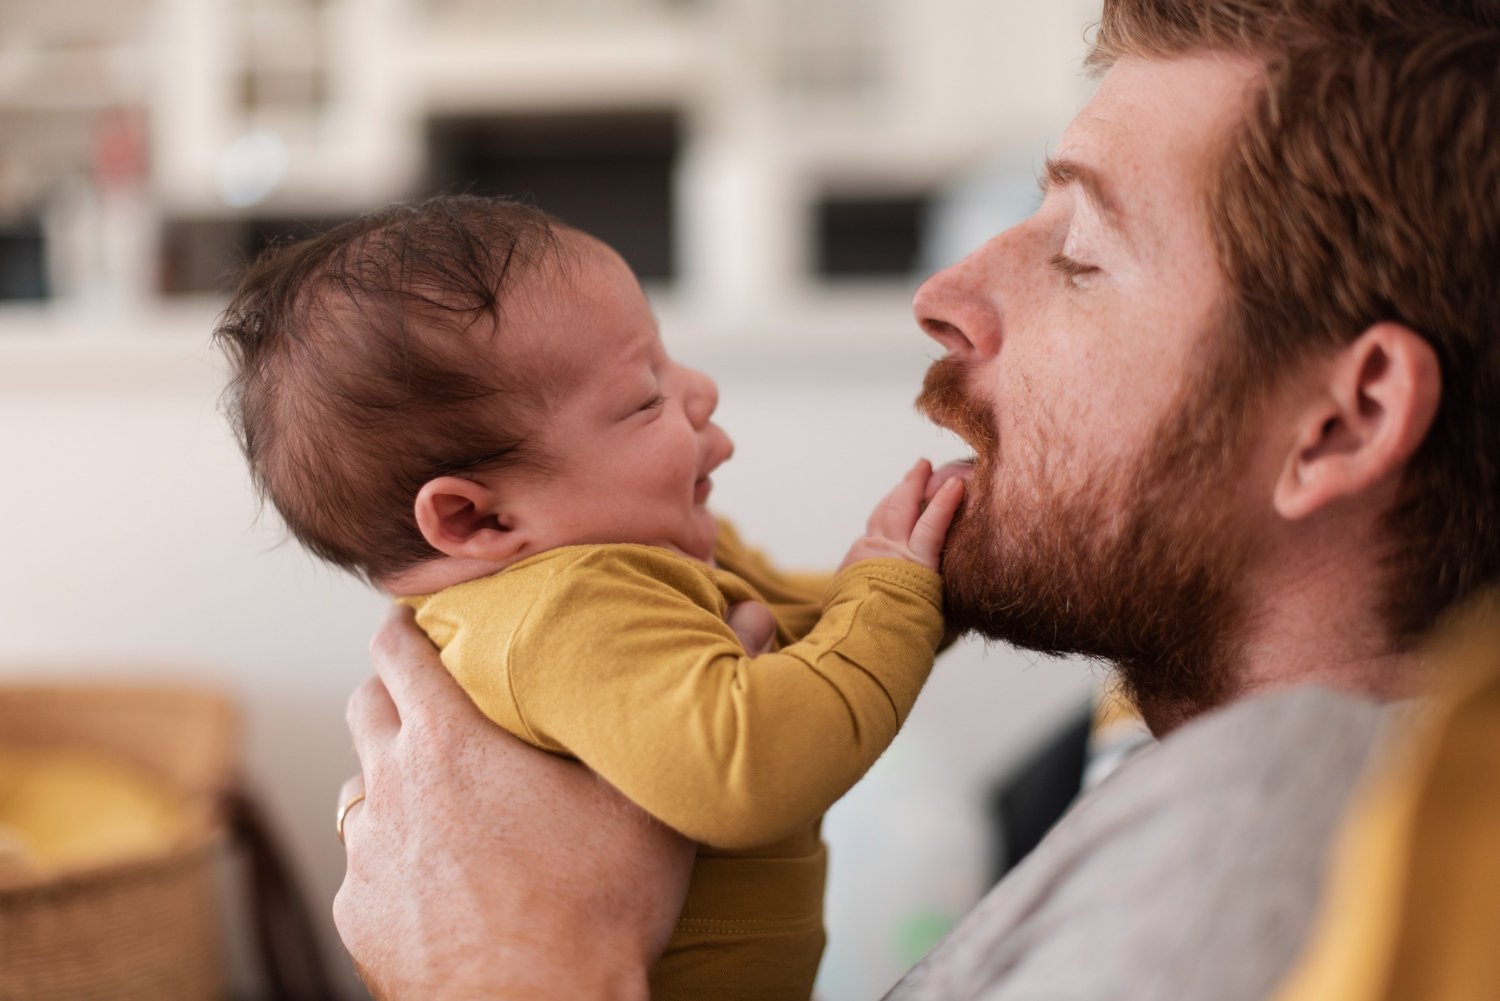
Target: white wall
{"x": 132, "y": 549}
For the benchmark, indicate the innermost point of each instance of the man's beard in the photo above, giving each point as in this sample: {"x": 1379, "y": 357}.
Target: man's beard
{"x": 1138, "y": 567}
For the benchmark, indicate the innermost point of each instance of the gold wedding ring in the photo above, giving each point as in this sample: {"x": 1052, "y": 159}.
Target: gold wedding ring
{"x": 338, "y": 821}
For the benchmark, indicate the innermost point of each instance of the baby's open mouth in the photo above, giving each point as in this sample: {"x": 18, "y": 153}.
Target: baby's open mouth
{"x": 701, "y": 489}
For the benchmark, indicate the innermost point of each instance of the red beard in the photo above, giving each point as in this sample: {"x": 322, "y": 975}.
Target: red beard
{"x": 1139, "y": 568}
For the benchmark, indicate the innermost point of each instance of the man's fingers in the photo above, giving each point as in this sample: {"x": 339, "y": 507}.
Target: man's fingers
{"x": 352, "y": 788}
{"x": 409, "y": 665}
{"x": 372, "y": 719}
{"x": 932, "y": 528}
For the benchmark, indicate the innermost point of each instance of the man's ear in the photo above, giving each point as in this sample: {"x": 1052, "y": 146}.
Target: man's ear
{"x": 1373, "y": 405}
{"x": 466, "y": 519}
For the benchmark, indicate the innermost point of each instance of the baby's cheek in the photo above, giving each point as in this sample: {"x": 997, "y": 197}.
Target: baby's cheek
{"x": 654, "y": 477}
{"x": 682, "y": 465}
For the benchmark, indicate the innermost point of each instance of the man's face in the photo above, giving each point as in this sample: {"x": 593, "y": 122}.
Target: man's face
{"x": 1089, "y": 368}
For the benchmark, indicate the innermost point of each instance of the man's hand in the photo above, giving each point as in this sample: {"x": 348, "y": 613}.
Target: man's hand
{"x": 900, "y": 528}
{"x": 482, "y": 867}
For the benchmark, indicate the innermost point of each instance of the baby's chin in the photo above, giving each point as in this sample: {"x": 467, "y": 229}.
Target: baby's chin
{"x": 701, "y": 489}
{"x": 702, "y": 534}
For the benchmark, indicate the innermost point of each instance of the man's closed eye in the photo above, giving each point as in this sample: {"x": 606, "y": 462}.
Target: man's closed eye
{"x": 1070, "y": 268}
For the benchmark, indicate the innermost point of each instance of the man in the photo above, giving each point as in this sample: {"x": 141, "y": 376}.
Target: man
{"x": 1232, "y": 396}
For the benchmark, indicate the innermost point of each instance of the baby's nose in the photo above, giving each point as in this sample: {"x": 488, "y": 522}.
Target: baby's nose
{"x": 702, "y": 399}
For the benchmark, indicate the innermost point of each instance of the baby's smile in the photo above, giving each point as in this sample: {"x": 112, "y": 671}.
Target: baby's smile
{"x": 633, "y": 438}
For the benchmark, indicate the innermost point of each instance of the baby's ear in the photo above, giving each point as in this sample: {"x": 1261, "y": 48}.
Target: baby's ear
{"x": 465, "y": 519}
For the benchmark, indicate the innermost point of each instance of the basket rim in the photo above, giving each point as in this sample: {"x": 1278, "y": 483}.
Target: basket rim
{"x": 191, "y": 850}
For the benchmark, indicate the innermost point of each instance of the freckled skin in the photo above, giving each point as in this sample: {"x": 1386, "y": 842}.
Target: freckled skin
{"x": 526, "y": 880}
{"x": 1082, "y": 327}
{"x": 1085, "y": 365}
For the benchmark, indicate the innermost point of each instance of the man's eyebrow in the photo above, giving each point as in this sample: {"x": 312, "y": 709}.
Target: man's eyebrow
{"x": 1061, "y": 171}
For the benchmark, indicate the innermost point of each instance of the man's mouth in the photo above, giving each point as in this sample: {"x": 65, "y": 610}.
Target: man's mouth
{"x": 963, "y": 469}
{"x": 946, "y": 402}
{"x": 970, "y": 428}
{"x": 958, "y": 467}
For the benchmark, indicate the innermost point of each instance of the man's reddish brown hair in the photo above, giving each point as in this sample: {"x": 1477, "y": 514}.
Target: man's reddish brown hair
{"x": 1364, "y": 187}
{"x": 364, "y": 362}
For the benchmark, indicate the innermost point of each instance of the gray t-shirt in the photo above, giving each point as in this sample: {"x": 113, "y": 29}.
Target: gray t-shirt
{"x": 1191, "y": 872}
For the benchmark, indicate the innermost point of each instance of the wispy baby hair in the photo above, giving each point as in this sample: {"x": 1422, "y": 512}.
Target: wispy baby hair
{"x": 367, "y": 360}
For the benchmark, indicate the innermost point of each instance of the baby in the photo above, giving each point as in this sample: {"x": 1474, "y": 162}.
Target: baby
{"x": 468, "y": 404}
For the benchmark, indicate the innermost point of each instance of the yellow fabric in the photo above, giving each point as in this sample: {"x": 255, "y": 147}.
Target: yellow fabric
{"x": 619, "y": 656}
{"x": 63, "y": 810}
{"x": 1413, "y": 910}
{"x": 1114, "y": 709}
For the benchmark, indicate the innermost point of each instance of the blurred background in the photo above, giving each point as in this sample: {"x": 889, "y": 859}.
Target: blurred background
{"x": 780, "y": 173}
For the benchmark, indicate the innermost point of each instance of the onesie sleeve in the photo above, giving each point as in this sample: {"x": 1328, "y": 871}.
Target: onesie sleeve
{"x": 749, "y": 563}
{"x": 628, "y": 666}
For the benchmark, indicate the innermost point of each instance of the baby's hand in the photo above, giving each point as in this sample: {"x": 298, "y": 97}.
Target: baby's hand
{"x": 901, "y": 529}
{"x": 753, "y": 623}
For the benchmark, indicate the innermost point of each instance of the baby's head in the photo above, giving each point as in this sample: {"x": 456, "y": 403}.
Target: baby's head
{"x": 435, "y": 391}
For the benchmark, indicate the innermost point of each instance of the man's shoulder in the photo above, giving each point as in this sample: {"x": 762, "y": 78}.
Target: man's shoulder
{"x": 1192, "y": 871}
{"x": 1290, "y": 739}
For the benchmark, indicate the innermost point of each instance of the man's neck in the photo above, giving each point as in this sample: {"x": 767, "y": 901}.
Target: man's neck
{"x": 1382, "y": 677}
{"x": 1319, "y": 622}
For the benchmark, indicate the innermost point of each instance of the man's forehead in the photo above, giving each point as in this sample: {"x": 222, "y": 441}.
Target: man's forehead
{"x": 1098, "y": 157}
{"x": 1150, "y": 131}
{"x": 1063, "y": 169}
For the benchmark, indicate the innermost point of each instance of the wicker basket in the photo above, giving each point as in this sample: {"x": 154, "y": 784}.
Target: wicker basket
{"x": 149, "y": 929}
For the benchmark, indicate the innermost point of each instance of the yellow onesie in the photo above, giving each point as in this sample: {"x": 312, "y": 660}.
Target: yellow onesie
{"x": 619, "y": 656}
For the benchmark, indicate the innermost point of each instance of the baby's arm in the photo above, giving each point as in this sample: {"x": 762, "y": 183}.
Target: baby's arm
{"x": 736, "y": 751}
{"x": 785, "y": 587}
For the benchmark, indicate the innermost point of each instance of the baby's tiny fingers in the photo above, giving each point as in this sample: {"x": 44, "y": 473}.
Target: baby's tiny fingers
{"x": 754, "y": 625}
{"x": 942, "y": 474}
{"x": 875, "y": 524}
{"x": 879, "y": 523}
{"x": 905, "y": 502}
{"x": 931, "y": 530}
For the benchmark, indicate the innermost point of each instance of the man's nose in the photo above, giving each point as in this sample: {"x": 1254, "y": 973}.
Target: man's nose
{"x": 958, "y": 307}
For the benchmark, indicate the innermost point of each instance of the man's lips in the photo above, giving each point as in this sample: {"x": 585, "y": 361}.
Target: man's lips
{"x": 963, "y": 469}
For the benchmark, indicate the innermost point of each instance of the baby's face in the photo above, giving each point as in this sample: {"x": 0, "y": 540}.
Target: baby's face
{"x": 633, "y": 442}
